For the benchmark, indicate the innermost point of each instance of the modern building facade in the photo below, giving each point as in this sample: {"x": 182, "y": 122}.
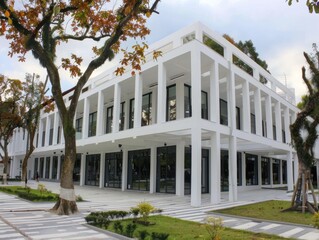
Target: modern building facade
{"x": 203, "y": 118}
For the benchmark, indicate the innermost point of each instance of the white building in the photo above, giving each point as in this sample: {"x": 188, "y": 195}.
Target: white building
{"x": 191, "y": 122}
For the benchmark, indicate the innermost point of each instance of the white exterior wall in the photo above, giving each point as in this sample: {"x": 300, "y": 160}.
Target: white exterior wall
{"x": 196, "y": 65}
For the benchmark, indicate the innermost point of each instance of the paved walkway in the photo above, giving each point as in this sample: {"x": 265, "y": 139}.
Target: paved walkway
{"x": 21, "y": 219}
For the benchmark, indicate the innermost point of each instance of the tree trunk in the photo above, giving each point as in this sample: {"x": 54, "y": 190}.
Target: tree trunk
{"x": 6, "y": 158}
{"x": 67, "y": 201}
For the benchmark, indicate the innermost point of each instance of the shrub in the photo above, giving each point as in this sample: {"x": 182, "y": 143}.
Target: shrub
{"x": 42, "y": 189}
{"x": 99, "y": 219}
{"x": 27, "y": 189}
{"x": 214, "y": 227}
{"x": 78, "y": 198}
{"x": 129, "y": 230}
{"x": 159, "y": 236}
{"x": 135, "y": 211}
{"x": 315, "y": 220}
{"x": 143, "y": 234}
{"x": 118, "y": 227}
{"x": 145, "y": 209}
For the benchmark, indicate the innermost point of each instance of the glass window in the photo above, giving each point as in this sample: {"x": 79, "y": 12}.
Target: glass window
{"x": 35, "y": 170}
{"x": 55, "y": 167}
{"x": 43, "y": 138}
{"x": 187, "y": 101}
{"x": 58, "y": 135}
{"x": 284, "y": 171}
{"x": 264, "y": 128}
{"x": 37, "y": 141}
{"x": 122, "y": 117}
{"x": 276, "y": 171}
{"x": 41, "y": 167}
{"x": 92, "y": 176}
{"x": 77, "y": 168}
{"x": 274, "y": 132}
{"x": 239, "y": 169}
{"x": 113, "y": 170}
{"x": 47, "y": 167}
{"x": 139, "y": 170}
{"x": 223, "y": 112}
{"x": 188, "y": 38}
{"x": 92, "y": 124}
{"x": 204, "y": 105}
{"x": 251, "y": 170}
{"x": 131, "y": 122}
{"x": 213, "y": 45}
{"x": 265, "y": 171}
{"x": 171, "y": 103}
{"x": 253, "y": 123}
{"x": 109, "y": 120}
{"x": 238, "y": 118}
{"x": 283, "y": 136}
{"x": 146, "y": 118}
{"x": 78, "y": 125}
{"x": 51, "y": 137}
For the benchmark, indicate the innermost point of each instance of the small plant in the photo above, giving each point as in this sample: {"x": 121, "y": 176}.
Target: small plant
{"x": 214, "y": 227}
{"x": 135, "y": 211}
{"x": 145, "y": 209}
{"x": 315, "y": 220}
{"x": 27, "y": 189}
{"x": 118, "y": 227}
{"x": 143, "y": 234}
{"x": 79, "y": 198}
{"x": 159, "y": 236}
{"x": 42, "y": 189}
{"x": 129, "y": 230}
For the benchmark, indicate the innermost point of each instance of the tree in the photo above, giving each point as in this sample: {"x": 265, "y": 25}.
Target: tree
{"x": 41, "y": 26}
{"x": 10, "y": 92}
{"x": 304, "y": 135}
{"x": 32, "y": 102}
{"x": 313, "y": 5}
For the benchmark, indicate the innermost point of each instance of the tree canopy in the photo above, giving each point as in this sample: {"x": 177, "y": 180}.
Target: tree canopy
{"x": 313, "y": 5}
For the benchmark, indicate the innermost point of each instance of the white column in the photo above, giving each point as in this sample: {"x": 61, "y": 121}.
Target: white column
{"x": 161, "y": 93}
{"x": 100, "y": 113}
{"x": 231, "y": 95}
{"x": 269, "y": 122}
{"x": 102, "y": 170}
{"x": 296, "y": 167}
{"x": 258, "y": 116}
{"x": 116, "y": 107}
{"x": 290, "y": 182}
{"x": 82, "y": 170}
{"x": 138, "y": 100}
{"x": 86, "y": 112}
{"x": 47, "y": 131}
{"x": 153, "y": 170}
{"x": 124, "y": 169}
{"x": 154, "y": 105}
{"x": 55, "y": 127}
{"x": 278, "y": 122}
{"x": 127, "y": 114}
{"x": 196, "y": 130}
{"x": 40, "y": 133}
{"x": 246, "y": 108}
{"x": 215, "y": 168}
{"x": 180, "y": 168}
{"x": 232, "y": 165}
{"x": 214, "y": 93}
{"x": 287, "y": 124}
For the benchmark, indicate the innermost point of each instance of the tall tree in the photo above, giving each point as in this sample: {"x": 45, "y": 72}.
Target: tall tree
{"x": 33, "y": 100}
{"x": 313, "y": 5}
{"x": 304, "y": 135}
{"x": 41, "y": 26}
{"x": 10, "y": 92}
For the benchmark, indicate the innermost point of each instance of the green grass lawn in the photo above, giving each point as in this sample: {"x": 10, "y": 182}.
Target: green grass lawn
{"x": 186, "y": 230}
{"x": 270, "y": 210}
{"x": 30, "y": 194}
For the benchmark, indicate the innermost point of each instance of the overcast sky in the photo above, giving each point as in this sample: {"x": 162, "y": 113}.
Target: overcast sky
{"x": 280, "y": 34}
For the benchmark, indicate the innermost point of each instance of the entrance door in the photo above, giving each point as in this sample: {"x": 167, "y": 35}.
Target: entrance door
{"x": 92, "y": 170}
{"x": 113, "y": 170}
{"x": 166, "y": 169}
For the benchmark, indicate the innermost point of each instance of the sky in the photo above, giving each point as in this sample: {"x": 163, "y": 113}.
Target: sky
{"x": 280, "y": 33}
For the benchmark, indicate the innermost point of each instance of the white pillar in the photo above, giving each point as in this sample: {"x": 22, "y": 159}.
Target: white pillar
{"x": 100, "y": 113}
{"x": 153, "y": 170}
{"x": 82, "y": 170}
{"x": 116, "y": 107}
{"x": 55, "y": 127}
{"x": 287, "y": 124}
{"x": 231, "y": 95}
{"x": 102, "y": 170}
{"x": 269, "y": 122}
{"x": 40, "y": 133}
{"x": 161, "y": 93}
{"x": 86, "y": 113}
{"x": 278, "y": 122}
{"x": 47, "y": 131}
{"x": 246, "y": 108}
{"x": 154, "y": 104}
{"x": 196, "y": 130}
{"x": 180, "y": 168}
{"x": 124, "y": 169}
{"x": 232, "y": 165}
{"x": 258, "y": 113}
{"x": 290, "y": 182}
{"x": 215, "y": 168}
{"x": 138, "y": 100}
{"x": 214, "y": 93}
